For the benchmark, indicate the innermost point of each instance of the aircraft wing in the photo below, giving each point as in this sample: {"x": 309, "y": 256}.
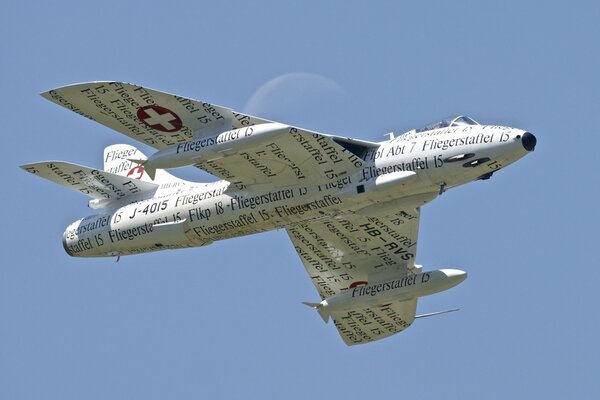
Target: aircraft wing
{"x": 295, "y": 157}
{"x": 161, "y": 119}
{"x": 155, "y": 118}
{"x": 369, "y": 324}
{"x": 99, "y": 185}
{"x": 350, "y": 250}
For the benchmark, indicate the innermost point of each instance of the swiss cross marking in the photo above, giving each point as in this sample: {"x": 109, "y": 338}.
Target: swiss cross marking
{"x": 136, "y": 172}
{"x": 159, "y": 118}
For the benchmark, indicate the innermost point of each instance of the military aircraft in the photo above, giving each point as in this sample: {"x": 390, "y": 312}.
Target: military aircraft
{"x": 350, "y": 207}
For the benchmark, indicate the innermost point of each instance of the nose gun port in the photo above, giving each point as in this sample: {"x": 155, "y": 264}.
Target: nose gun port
{"x": 529, "y": 141}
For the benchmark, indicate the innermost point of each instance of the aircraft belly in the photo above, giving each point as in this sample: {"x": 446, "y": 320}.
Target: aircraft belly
{"x": 240, "y": 214}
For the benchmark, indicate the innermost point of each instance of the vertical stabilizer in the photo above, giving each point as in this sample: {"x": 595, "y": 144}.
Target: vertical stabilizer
{"x": 117, "y": 161}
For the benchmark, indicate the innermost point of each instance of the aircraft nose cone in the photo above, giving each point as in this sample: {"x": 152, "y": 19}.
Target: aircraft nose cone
{"x": 529, "y": 141}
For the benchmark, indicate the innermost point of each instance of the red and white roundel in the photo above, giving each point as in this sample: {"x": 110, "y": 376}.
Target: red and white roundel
{"x": 136, "y": 172}
{"x": 159, "y": 118}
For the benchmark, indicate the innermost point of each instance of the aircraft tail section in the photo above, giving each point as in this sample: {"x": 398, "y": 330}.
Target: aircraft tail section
{"x": 128, "y": 161}
{"x": 106, "y": 189}
{"x": 121, "y": 180}
{"x": 116, "y": 159}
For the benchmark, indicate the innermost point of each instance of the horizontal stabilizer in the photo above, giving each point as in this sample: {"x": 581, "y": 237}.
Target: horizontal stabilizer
{"x": 103, "y": 187}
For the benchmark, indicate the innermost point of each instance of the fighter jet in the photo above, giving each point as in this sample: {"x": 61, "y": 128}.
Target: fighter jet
{"x": 350, "y": 207}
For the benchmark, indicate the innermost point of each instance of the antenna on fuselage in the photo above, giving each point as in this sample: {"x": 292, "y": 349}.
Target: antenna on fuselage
{"x": 390, "y": 135}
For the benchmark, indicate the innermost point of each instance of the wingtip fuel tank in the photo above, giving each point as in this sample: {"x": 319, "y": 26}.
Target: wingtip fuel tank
{"x": 397, "y": 289}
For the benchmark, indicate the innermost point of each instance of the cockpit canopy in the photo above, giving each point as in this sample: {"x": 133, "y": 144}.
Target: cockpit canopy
{"x": 460, "y": 120}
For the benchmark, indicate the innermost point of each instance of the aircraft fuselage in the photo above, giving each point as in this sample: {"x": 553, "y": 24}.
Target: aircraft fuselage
{"x": 415, "y": 165}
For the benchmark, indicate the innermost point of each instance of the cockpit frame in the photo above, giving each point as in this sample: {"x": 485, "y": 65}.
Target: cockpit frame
{"x": 459, "y": 120}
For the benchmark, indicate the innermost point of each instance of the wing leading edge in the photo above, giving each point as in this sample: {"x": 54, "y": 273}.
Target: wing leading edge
{"x": 155, "y": 118}
{"x": 161, "y": 119}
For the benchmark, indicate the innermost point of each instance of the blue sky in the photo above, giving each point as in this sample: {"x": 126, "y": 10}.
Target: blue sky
{"x": 226, "y": 321}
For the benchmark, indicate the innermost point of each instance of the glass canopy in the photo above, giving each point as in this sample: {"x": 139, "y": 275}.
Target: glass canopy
{"x": 460, "y": 120}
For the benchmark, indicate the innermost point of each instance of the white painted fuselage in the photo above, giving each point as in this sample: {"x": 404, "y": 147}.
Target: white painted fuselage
{"x": 415, "y": 166}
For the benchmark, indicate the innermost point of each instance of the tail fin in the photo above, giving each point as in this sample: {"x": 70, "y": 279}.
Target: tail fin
{"x": 320, "y": 309}
{"x": 142, "y": 163}
{"x": 126, "y": 160}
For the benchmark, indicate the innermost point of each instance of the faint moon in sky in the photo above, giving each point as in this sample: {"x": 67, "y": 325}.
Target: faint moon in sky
{"x": 297, "y": 97}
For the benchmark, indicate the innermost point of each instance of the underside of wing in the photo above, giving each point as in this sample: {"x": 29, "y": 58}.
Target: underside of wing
{"x": 353, "y": 249}
{"x": 369, "y": 324}
{"x": 155, "y": 118}
{"x": 294, "y": 157}
{"x": 161, "y": 119}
